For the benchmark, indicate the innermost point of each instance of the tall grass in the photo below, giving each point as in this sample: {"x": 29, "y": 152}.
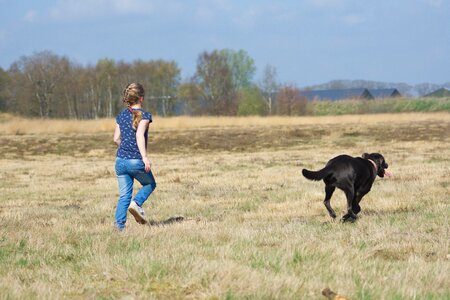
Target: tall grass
{"x": 397, "y": 105}
{"x": 14, "y": 125}
{"x": 336, "y": 110}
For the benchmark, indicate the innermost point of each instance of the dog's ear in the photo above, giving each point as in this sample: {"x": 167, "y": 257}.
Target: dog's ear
{"x": 365, "y": 155}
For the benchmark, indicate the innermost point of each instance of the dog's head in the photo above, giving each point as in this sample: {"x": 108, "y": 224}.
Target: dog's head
{"x": 378, "y": 159}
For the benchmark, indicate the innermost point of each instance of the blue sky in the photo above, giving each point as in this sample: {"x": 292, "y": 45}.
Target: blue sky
{"x": 309, "y": 42}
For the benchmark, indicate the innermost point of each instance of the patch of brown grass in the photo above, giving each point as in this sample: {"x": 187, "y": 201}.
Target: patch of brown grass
{"x": 12, "y": 125}
{"x": 254, "y": 228}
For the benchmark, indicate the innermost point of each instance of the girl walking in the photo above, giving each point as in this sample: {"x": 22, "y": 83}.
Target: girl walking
{"x": 131, "y": 159}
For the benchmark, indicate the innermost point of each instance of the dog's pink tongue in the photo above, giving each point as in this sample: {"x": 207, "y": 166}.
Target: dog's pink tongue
{"x": 387, "y": 173}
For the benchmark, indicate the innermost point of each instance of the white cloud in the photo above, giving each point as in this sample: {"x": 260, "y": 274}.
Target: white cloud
{"x": 353, "y": 19}
{"x": 30, "y": 16}
{"x": 435, "y": 3}
{"x": 205, "y": 13}
{"x": 70, "y": 9}
{"x": 209, "y": 10}
{"x": 247, "y": 18}
{"x": 3, "y": 34}
{"x": 132, "y": 6}
{"x": 80, "y": 9}
{"x": 327, "y": 3}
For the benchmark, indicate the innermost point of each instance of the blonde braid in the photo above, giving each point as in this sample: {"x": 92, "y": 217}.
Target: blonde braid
{"x": 137, "y": 117}
{"x": 131, "y": 95}
{"x": 125, "y": 98}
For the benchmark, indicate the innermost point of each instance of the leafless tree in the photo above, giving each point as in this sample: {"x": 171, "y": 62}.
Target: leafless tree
{"x": 290, "y": 102}
{"x": 215, "y": 80}
{"x": 269, "y": 85}
{"x": 44, "y": 70}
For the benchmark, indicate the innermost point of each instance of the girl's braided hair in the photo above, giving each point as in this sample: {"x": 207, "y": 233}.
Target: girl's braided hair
{"x": 131, "y": 95}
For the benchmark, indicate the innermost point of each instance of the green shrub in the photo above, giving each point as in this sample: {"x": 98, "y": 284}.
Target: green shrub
{"x": 251, "y": 102}
{"x": 396, "y": 105}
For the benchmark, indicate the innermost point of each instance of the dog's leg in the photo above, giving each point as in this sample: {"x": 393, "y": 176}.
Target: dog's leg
{"x": 329, "y": 190}
{"x": 358, "y": 198}
{"x": 355, "y": 207}
{"x": 350, "y": 215}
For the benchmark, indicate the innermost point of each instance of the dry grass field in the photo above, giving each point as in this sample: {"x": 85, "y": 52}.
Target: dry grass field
{"x": 254, "y": 228}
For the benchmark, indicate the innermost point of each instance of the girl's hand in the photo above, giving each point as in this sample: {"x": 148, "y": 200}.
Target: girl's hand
{"x": 147, "y": 163}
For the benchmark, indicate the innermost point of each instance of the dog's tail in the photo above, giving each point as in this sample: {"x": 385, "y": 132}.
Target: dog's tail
{"x": 315, "y": 175}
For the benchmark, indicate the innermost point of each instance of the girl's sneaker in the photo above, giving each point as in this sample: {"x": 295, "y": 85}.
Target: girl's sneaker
{"x": 137, "y": 212}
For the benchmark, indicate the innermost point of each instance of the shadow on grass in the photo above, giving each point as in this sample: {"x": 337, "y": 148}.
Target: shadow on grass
{"x": 171, "y": 220}
{"x": 396, "y": 211}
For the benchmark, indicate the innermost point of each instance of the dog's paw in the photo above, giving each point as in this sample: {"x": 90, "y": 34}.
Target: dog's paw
{"x": 348, "y": 218}
{"x": 356, "y": 209}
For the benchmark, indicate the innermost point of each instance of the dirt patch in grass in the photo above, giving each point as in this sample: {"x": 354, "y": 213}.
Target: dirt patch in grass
{"x": 393, "y": 255}
{"x": 423, "y": 131}
{"x": 162, "y": 142}
{"x": 227, "y": 139}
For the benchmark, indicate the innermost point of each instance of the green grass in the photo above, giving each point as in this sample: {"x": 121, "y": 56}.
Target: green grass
{"x": 400, "y": 105}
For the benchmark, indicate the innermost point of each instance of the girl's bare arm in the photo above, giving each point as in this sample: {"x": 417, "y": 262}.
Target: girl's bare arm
{"x": 117, "y": 135}
{"x": 140, "y": 139}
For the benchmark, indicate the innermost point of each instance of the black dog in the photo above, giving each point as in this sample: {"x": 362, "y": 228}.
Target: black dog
{"x": 353, "y": 175}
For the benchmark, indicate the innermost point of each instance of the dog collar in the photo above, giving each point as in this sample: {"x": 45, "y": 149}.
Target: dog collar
{"x": 374, "y": 164}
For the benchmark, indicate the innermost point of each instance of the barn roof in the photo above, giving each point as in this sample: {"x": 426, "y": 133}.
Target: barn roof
{"x": 338, "y": 94}
{"x": 384, "y": 93}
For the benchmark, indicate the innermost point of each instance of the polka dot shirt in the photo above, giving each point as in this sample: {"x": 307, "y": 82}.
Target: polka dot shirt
{"x": 128, "y": 148}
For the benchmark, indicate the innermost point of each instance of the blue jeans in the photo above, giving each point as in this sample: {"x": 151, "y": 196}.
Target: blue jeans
{"x": 127, "y": 170}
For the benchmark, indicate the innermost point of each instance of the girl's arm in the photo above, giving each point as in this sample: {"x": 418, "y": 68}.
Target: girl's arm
{"x": 117, "y": 135}
{"x": 140, "y": 139}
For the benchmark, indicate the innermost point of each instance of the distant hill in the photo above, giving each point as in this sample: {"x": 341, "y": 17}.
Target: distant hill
{"x": 404, "y": 88}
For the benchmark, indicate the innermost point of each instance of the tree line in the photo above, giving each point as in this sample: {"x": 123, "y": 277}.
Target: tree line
{"x": 47, "y": 85}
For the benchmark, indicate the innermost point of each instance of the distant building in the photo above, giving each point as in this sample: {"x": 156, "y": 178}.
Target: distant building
{"x": 384, "y": 93}
{"x": 335, "y": 95}
{"x": 443, "y": 92}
